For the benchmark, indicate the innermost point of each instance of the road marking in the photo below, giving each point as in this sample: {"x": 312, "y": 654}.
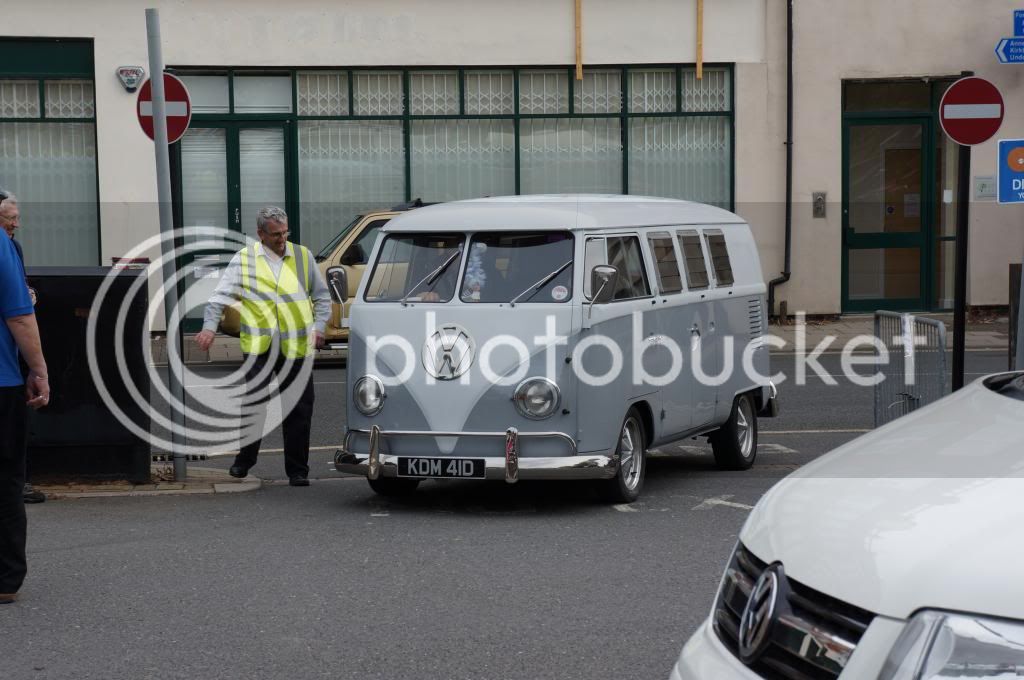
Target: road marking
{"x": 625, "y": 508}
{"x": 774, "y": 448}
{"x": 837, "y": 431}
{"x": 721, "y": 500}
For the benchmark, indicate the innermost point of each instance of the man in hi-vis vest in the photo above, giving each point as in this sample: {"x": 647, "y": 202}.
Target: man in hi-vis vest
{"x": 285, "y": 306}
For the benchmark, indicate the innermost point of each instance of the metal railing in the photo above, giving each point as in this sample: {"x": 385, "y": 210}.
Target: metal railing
{"x": 916, "y": 371}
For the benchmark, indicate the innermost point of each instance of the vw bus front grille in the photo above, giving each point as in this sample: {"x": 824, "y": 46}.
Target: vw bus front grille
{"x": 812, "y": 636}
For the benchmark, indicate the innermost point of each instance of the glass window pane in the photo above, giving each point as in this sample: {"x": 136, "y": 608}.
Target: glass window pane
{"x": 204, "y": 178}
{"x": 688, "y": 158}
{"x": 885, "y": 273}
{"x": 263, "y": 94}
{"x": 453, "y": 159}
{"x": 19, "y": 99}
{"x": 594, "y": 254}
{"x": 912, "y": 95}
{"x": 885, "y": 178}
{"x": 710, "y": 93}
{"x": 52, "y": 169}
{"x": 261, "y": 171}
{"x": 506, "y": 266}
{"x": 377, "y": 93}
{"x": 669, "y": 280}
{"x": 720, "y": 258}
{"x": 489, "y": 93}
{"x": 346, "y": 167}
{"x": 70, "y": 99}
{"x": 407, "y": 261}
{"x": 652, "y": 90}
{"x": 543, "y": 92}
{"x": 433, "y": 93}
{"x": 600, "y": 91}
{"x": 323, "y": 93}
{"x": 945, "y": 265}
{"x": 624, "y": 255}
{"x": 563, "y": 155}
{"x": 209, "y": 94}
{"x": 693, "y": 253}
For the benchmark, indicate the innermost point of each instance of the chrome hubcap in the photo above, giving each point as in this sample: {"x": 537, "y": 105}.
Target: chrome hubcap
{"x": 631, "y": 454}
{"x": 744, "y": 428}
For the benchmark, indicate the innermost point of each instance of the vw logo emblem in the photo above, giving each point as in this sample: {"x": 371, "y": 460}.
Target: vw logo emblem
{"x": 759, "y": 614}
{"x": 448, "y": 353}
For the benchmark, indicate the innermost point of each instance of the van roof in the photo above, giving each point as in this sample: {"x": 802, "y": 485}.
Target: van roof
{"x": 566, "y": 211}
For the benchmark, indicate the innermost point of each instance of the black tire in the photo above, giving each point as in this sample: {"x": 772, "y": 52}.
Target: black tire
{"x": 393, "y": 486}
{"x": 735, "y": 443}
{"x": 631, "y": 451}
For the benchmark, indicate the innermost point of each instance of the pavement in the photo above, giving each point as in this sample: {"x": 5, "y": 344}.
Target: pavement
{"x": 200, "y": 480}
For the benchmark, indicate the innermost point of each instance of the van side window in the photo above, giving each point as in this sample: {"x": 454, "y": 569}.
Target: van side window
{"x": 669, "y": 280}
{"x": 593, "y": 255}
{"x": 693, "y": 253}
{"x": 719, "y": 257}
{"x": 624, "y": 255}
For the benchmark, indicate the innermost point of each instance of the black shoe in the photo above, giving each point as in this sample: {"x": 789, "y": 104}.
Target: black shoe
{"x": 31, "y": 495}
{"x": 239, "y": 471}
{"x": 298, "y": 480}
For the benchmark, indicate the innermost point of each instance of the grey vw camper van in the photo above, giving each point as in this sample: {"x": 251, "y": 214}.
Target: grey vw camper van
{"x": 554, "y": 337}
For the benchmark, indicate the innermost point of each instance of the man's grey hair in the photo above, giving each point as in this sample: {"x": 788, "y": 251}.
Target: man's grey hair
{"x": 268, "y": 214}
{"x": 8, "y": 197}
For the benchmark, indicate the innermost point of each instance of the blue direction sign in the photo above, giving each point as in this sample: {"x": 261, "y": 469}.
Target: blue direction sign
{"x": 1018, "y": 22}
{"x": 1011, "y": 171}
{"x": 1010, "y": 51}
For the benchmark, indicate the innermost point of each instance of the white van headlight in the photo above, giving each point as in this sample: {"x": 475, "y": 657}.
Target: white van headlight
{"x": 940, "y": 645}
{"x": 537, "y": 398}
{"x": 369, "y": 395}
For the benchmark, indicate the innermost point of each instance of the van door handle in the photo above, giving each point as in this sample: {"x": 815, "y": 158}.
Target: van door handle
{"x": 695, "y": 330}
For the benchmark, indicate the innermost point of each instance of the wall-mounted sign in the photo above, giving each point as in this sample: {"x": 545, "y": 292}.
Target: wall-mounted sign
{"x": 131, "y": 76}
{"x": 1011, "y": 171}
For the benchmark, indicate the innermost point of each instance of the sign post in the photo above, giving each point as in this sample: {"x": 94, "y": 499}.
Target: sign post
{"x": 158, "y": 119}
{"x": 970, "y": 112}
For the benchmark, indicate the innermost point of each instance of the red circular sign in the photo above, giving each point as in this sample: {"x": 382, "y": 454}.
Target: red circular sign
{"x": 177, "y": 103}
{"x": 971, "y": 111}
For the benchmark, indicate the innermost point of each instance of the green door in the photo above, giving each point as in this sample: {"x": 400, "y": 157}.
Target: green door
{"x": 887, "y": 205}
{"x": 228, "y": 171}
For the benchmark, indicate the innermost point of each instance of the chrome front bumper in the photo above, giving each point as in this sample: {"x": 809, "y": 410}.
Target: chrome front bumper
{"x": 510, "y": 467}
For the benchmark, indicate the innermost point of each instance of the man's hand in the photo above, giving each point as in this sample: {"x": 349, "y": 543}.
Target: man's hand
{"x": 37, "y": 390}
{"x": 317, "y": 340}
{"x": 205, "y": 339}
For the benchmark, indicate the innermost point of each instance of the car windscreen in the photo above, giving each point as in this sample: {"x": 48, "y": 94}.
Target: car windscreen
{"x": 519, "y": 266}
{"x": 326, "y": 251}
{"x": 416, "y": 268}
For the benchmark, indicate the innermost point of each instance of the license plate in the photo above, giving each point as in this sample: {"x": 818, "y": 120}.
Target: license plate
{"x": 460, "y": 468}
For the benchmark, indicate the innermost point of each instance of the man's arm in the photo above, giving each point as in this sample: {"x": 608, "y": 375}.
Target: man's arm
{"x": 321, "y": 295}
{"x": 26, "y": 335}
{"x": 228, "y": 290}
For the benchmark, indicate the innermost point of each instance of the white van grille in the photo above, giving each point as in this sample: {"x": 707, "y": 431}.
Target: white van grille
{"x": 756, "y": 314}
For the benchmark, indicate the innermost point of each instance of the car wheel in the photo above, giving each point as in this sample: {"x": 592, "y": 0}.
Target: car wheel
{"x": 391, "y": 486}
{"x": 735, "y": 443}
{"x": 628, "y": 482}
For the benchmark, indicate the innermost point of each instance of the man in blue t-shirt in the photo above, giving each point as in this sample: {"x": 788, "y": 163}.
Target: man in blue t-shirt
{"x": 18, "y": 332}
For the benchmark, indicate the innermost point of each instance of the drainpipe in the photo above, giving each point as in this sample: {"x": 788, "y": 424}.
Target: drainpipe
{"x": 786, "y": 271}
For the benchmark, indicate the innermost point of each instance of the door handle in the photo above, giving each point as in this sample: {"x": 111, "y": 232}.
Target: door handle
{"x": 238, "y": 217}
{"x": 695, "y": 330}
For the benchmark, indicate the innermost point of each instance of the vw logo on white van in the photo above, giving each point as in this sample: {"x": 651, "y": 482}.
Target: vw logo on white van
{"x": 448, "y": 353}
{"x": 759, "y": 614}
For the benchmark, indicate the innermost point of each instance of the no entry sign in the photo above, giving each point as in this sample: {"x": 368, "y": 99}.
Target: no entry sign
{"x": 971, "y": 111}
{"x": 178, "y": 107}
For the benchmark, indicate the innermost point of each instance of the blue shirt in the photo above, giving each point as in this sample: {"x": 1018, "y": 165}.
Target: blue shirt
{"x": 14, "y": 301}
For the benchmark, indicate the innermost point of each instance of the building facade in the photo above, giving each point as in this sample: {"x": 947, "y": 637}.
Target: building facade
{"x": 329, "y": 109}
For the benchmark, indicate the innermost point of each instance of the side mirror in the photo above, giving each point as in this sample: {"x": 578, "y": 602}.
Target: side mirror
{"x": 337, "y": 282}
{"x": 354, "y": 255}
{"x": 603, "y": 278}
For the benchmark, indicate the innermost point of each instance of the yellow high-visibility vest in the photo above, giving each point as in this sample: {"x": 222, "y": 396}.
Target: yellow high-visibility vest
{"x": 282, "y": 306}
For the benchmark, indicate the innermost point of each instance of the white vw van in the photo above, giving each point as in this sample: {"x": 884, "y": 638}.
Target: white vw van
{"x": 553, "y": 337}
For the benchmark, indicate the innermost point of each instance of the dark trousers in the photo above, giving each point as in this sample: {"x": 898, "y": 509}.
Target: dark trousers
{"x": 13, "y": 439}
{"x": 296, "y": 423}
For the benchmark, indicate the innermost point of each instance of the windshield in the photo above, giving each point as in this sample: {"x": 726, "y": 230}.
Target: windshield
{"x": 326, "y": 251}
{"x": 416, "y": 268}
{"x": 516, "y": 266}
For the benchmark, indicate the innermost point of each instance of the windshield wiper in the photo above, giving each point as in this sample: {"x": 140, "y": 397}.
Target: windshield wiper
{"x": 539, "y": 284}
{"x": 433, "y": 276}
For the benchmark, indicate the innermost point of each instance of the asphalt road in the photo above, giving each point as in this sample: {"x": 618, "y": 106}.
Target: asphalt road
{"x": 462, "y": 580}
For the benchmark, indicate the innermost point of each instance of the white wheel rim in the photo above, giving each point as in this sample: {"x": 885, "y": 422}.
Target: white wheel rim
{"x": 745, "y": 428}
{"x": 631, "y": 454}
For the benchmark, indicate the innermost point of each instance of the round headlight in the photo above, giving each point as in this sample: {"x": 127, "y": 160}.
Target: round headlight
{"x": 537, "y": 398}
{"x": 369, "y": 395}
